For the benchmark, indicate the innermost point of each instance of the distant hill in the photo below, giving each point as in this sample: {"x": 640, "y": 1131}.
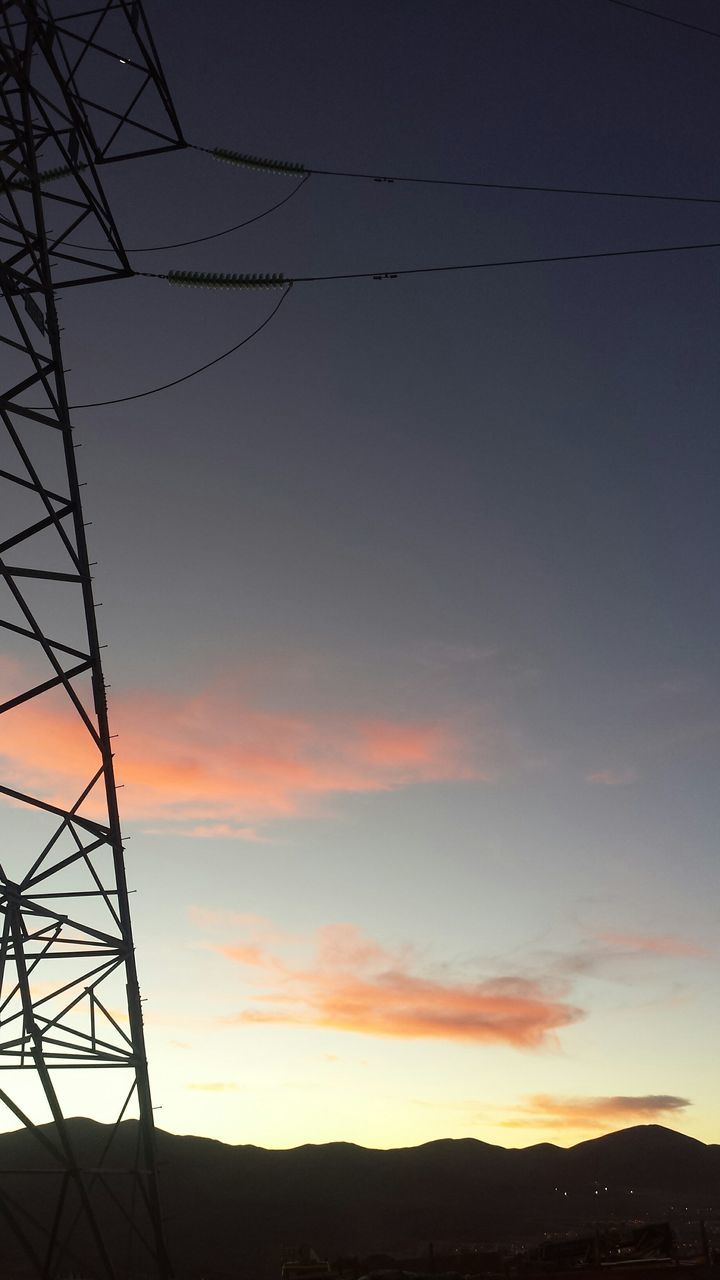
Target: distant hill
{"x": 231, "y": 1209}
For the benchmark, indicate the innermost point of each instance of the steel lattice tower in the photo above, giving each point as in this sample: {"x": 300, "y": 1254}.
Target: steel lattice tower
{"x": 77, "y": 91}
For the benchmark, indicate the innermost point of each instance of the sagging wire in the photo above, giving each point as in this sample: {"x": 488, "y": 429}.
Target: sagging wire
{"x": 165, "y": 386}
{"x": 276, "y": 280}
{"x": 215, "y": 235}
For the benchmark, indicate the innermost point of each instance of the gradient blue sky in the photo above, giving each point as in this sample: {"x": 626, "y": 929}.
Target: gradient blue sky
{"x": 412, "y": 605}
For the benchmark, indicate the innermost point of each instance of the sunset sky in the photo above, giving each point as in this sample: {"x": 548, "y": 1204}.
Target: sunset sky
{"x": 412, "y": 604}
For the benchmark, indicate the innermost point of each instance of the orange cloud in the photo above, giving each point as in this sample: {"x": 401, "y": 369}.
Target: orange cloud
{"x": 554, "y": 1112}
{"x": 659, "y": 944}
{"x": 212, "y": 766}
{"x": 355, "y": 984}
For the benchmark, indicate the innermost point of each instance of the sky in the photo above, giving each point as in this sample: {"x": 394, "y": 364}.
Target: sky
{"x": 411, "y": 604}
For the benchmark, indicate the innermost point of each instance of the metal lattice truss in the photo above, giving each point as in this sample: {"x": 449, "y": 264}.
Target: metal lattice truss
{"x": 95, "y": 94}
{"x": 77, "y": 90}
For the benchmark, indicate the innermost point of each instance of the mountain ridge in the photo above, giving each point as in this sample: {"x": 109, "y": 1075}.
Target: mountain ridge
{"x": 612, "y": 1134}
{"x": 232, "y": 1207}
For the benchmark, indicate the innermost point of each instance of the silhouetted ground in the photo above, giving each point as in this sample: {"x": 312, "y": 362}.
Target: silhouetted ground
{"x": 230, "y": 1210}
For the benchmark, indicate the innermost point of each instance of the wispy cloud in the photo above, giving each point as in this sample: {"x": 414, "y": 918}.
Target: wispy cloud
{"x": 657, "y": 944}
{"x": 214, "y": 766}
{"x": 353, "y": 983}
{"x": 552, "y": 1111}
{"x": 626, "y": 958}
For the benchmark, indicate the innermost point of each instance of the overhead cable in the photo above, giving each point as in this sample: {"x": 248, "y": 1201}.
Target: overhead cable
{"x": 280, "y": 168}
{"x": 507, "y": 262}
{"x": 276, "y": 280}
{"x": 165, "y": 386}
{"x": 289, "y": 168}
{"x": 215, "y": 235}
{"x": 664, "y": 17}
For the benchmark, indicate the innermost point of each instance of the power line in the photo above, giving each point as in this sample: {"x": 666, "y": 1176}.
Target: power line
{"x": 507, "y": 262}
{"x": 139, "y": 395}
{"x": 252, "y": 282}
{"x": 184, "y": 244}
{"x": 264, "y": 280}
{"x": 281, "y": 167}
{"x": 400, "y": 178}
{"x": 415, "y": 180}
{"x": 516, "y": 186}
{"x": 652, "y": 13}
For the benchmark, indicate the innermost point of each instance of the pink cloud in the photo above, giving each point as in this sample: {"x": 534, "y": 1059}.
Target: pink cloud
{"x": 387, "y": 745}
{"x": 214, "y": 766}
{"x": 353, "y": 983}
{"x": 543, "y": 1110}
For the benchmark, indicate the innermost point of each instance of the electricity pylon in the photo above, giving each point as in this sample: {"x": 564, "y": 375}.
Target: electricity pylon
{"x": 79, "y": 88}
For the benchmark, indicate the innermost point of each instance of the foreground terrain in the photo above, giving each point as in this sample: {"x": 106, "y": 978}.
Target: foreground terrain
{"x": 231, "y": 1210}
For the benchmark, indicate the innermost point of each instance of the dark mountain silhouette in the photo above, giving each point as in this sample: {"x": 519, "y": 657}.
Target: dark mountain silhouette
{"x": 231, "y": 1209}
